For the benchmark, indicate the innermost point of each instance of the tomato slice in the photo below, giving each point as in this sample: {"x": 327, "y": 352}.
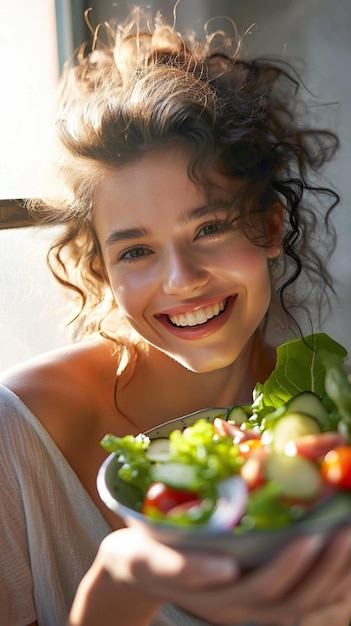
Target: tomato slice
{"x": 164, "y": 499}
{"x": 336, "y": 467}
{"x": 252, "y": 472}
{"x": 250, "y": 446}
{"x": 316, "y": 446}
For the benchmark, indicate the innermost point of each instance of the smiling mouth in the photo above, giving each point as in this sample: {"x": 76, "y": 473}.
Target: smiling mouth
{"x": 200, "y": 316}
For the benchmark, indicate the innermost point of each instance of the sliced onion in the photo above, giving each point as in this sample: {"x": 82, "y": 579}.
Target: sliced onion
{"x": 231, "y": 504}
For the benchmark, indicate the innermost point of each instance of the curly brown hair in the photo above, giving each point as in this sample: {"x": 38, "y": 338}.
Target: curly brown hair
{"x": 147, "y": 86}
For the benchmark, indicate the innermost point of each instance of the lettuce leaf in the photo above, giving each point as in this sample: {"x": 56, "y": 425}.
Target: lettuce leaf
{"x": 301, "y": 366}
{"x": 338, "y": 390}
{"x": 134, "y": 464}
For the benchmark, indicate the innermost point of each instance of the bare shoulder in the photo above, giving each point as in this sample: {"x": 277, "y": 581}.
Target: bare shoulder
{"x": 66, "y": 383}
{"x": 70, "y": 364}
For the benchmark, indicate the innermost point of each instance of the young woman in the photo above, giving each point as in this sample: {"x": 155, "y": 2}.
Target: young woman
{"x": 186, "y": 211}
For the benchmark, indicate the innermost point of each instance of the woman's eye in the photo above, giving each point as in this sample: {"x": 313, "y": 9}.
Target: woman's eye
{"x": 211, "y": 229}
{"x": 134, "y": 254}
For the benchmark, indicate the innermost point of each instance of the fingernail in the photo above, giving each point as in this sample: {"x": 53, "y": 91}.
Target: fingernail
{"x": 313, "y": 543}
{"x": 223, "y": 568}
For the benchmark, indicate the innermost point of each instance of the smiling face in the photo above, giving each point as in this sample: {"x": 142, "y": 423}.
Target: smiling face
{"x": 186, "y": 279}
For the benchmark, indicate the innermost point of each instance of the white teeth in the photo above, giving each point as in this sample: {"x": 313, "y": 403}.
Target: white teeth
{"x": 200, "y": 316}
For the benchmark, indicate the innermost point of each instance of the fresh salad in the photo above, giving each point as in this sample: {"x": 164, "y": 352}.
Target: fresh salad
{"x": 285, "y": 454}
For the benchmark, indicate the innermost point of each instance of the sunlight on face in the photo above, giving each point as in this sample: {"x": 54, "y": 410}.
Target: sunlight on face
{"x": 183, "y": 275}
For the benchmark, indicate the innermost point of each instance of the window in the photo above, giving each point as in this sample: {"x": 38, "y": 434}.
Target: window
{"x": 30, "y": 301}
{"x": 28, "y": 47}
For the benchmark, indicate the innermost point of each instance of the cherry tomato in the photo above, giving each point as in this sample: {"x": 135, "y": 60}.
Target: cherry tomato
{"x": 336, "y": 467}
{"x": 163, "y": 498}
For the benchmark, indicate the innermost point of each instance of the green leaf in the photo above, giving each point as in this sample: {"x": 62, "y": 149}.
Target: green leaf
{"x": 300, "y": 367}
{"x": 338, "y": 387}
{"x": 214, "y": 458}
{"x": 266, "y": 509}
{"x": 134, "y": 466}
{"x": 127, "y": 446}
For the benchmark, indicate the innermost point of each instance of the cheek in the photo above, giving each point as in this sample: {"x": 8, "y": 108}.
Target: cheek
{"x": 250, "y": 270}
{"x": 131, "y": 292}
{"x": 123, "y": 298}
{"x": 249, "y": 264}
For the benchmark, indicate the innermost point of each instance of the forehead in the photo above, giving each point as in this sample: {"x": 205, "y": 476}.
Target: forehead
{"x": 156, "y": 196}
{"x": 162, "y": 174}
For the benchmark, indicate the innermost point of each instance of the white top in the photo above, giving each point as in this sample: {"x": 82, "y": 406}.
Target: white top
{"x": 50, "y": 529}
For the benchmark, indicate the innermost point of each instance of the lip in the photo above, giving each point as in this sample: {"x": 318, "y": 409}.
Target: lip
{"x": 192, "y": 307}
{"x": 201, "y": 330}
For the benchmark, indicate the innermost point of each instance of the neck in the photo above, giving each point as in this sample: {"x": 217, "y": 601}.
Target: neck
{"x": 161, "y": 389}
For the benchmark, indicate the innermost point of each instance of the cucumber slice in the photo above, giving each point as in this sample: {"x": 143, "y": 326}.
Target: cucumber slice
{"x": 237, "y": 414}
{"x": 159, "y": 449}
{"x": 176, "y": 475}
{"x": 308, "y": 403}
{"x": 297, "y": 476}
{"x": 291, "y": 427}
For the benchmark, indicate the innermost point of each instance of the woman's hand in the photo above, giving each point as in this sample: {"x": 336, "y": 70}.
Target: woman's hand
{"x": 330, "y": 580}
{"x": 133, "y": 575}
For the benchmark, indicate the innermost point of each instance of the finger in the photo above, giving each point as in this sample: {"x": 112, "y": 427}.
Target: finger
{"x": 265, "y": 597}
{"x": 322, "y": 582}
{"x": 333, "y": 615}
{"x": 259, "y": 596}
{"x": 341, "y": 591}
{"x": 134, "y": 557}
{"x": 275, "y": 579}
{"x": 204, "y": 585}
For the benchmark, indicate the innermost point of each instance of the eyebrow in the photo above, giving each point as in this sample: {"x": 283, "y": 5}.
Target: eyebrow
{"x": 199, "y": 212}
{"x": 127, "y": 234}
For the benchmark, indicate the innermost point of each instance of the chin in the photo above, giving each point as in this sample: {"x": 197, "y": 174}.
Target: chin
{"x": 204, "y": 364}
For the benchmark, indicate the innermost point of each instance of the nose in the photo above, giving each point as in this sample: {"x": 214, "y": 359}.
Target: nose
{"x": 183, "y": 273}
